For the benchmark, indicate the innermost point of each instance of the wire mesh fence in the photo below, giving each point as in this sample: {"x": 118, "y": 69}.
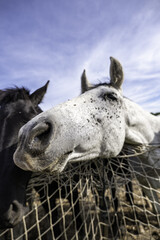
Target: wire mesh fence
{"x": 99, "y": 199}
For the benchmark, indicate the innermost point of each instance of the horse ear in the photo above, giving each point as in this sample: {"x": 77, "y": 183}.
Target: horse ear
{"x": 116, "y": 73}
{"x": 85, "y": 85}
{"x": 37, "y": 96}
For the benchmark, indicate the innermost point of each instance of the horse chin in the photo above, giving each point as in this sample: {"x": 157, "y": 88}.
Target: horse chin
{"x": 83, "y": 153}
{"x": 73, "y": 156}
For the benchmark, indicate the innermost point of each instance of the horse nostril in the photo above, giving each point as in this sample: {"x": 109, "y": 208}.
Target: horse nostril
{"x": 15, "y": 207}
{"x": 43, "y": 132}
{"x": 39, "y": 137}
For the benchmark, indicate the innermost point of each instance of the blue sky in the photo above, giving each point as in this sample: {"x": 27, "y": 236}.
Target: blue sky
{"x": 57, "y": 39}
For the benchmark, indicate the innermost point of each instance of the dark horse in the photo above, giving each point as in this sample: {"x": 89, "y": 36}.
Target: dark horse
{"x": 17, "y": 107}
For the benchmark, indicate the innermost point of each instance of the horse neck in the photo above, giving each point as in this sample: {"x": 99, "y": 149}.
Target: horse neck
{"x": 141, "y": 126}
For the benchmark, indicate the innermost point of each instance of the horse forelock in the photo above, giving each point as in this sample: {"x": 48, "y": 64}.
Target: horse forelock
{"x": 13, "y": 94}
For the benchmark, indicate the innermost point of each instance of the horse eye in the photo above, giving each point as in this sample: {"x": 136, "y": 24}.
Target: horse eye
{"x": 110, "y": 96}
{"x": 19, "y": 112}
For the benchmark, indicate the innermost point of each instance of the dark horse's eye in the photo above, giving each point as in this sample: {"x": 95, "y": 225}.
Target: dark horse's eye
{"x": 111, "y": 96}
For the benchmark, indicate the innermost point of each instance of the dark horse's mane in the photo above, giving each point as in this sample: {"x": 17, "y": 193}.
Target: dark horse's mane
{"x": 13, "y": 94}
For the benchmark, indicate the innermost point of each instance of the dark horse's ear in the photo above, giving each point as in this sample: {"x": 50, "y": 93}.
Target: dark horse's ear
{"x": 37, "y": 96}
{"x": 116, "y": 73}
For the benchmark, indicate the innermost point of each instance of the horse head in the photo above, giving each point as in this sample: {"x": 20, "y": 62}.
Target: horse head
{"x": 17, "y": 107}
{"x": 95, "y": 124}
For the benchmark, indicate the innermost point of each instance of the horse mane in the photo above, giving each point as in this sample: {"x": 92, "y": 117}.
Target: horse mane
{"x": 13, "y": 94}
{"x": 99, "y": 84}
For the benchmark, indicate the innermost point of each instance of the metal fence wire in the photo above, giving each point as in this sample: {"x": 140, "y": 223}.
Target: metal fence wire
{"x": 93, "y": 200}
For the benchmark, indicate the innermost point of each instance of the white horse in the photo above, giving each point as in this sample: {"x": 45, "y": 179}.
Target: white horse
{"x": 97, "y": 124}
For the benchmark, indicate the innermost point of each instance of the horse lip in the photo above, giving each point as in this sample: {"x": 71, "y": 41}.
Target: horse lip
{"x": 68, "y": 153}
{"x": 62, "y": 161}
{"x": 82, "y": 157}
{"x": 81, "y": 154}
